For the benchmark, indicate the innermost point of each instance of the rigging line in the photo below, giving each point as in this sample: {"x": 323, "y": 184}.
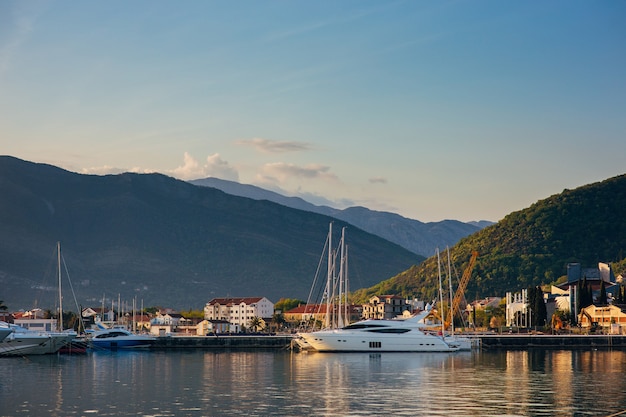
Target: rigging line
{"x": 319, "y": 266}
{"x": 67, "y": 273}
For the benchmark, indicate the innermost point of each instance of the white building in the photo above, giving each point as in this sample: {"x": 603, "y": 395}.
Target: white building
{"x": 239, "y": 310}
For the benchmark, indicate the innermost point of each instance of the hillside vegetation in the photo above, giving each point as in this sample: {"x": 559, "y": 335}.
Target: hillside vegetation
{"x": 530, "y": 247}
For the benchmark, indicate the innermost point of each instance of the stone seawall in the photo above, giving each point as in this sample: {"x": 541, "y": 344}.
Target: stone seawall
{"x": 526, "y": 341}
{"x": 223, "y": 342}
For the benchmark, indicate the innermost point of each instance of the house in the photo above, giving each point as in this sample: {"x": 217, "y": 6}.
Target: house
{"x": 142, "y": 322}
{"x": 239, "y": 310}
{"x": 484, "y": 304}
{"x": 97, "y": 315}
{"x": 168, "y": 319}
{"x": 385, "y": 307}
{"x": 306, "y": 313}
{"x": 312, "y": 313}
{"x": 37, "y": 324}
{"x": 610, "y": 319}
{"x": 594, "y": 278}
{"x": 218, "y": 327}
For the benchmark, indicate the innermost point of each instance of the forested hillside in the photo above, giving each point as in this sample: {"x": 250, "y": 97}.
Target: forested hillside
{"x": 531, "y": 246}
{"x": 161, "y": 241}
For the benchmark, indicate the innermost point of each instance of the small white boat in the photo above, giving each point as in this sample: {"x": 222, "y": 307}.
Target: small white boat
{"x": 22, "y": 341}
{"x": 118, "y": 338}
{"x": 378, "y": 336}
{"x": 463, "y": 343}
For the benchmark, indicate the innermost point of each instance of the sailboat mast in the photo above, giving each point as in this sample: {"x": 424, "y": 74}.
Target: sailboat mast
{"x": 450, "y": 282}
{"x": 346, "y": 286}
{"x": 329, "y": 277}
{"x": 60, "y": 323}
{"x": 440, "y": 293}
{"x": 340, "y": 303}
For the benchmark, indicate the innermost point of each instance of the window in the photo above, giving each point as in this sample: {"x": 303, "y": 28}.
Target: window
{"x": 376, "y": 345}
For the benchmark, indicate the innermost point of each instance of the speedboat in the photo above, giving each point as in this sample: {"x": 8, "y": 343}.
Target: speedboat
{"x": 118, "y": 338}
{"x": 395, "y": 335}
{"x": 22, "y": 341}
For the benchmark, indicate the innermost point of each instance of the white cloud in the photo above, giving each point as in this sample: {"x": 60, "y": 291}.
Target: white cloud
{"x": 282, "y": 171}
{"x": 378, "y": 180}
{"x": 103, "y": 170}
{"x": 191, "y": 169}
{"x": 215, "y": 167}
{"x": 274, "y": 146}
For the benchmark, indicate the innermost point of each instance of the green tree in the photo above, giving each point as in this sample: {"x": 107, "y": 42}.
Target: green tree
{"x": 541, "y": 313}
{"x": 278, "y": 320}
{"x": 286, "y": 304}
{"x": 2, "y": 306}
{"x": 193, "y": 314}
{"x": 255, "y": 323}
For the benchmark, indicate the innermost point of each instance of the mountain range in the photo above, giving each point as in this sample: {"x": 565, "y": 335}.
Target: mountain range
{"x": 159, "y": 241}
{"x": 414, "y": 235}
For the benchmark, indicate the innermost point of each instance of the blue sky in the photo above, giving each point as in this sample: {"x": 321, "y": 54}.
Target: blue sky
{"x": 435, "y": 110}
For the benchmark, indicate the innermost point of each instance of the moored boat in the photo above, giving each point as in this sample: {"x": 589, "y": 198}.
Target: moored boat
{"x": 118, "y": 338}
{"x": 378, "y": 336}
{"x": 22, "y": 341}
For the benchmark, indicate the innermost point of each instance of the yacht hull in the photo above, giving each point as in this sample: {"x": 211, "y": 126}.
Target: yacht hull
{"x": 341, "y": 340}
{"x": 19, "y": 344}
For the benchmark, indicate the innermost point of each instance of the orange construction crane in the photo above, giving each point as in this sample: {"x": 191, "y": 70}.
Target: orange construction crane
{"x": 458, "y": 295}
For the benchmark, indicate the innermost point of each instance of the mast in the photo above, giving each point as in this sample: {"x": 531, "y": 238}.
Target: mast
{"x": 329, "y": 277}
{"x": 450, "y": 282}
{"x": 440, "y": 292}
{"x": 346, "y": 288}
{"x": 342, "y": 282}
{"x": 60, "y": 323}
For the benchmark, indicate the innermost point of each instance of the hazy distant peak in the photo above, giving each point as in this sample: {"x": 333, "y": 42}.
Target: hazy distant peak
{"x": 418, "y": 237}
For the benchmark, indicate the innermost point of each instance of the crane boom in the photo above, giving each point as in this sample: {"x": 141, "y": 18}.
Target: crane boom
{"x": 458, "y": 295}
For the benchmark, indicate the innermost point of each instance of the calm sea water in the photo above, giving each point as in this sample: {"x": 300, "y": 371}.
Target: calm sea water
{"x": 200, "y": 383}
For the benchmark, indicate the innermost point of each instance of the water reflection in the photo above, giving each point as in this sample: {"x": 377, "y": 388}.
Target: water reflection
{"x": 197, "y": 383}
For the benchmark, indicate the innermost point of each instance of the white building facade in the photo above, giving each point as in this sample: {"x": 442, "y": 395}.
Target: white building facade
{"x": 238, "y": 310}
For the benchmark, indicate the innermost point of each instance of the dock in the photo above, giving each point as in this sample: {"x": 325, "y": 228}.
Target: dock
{"x": 223, "y": 342}
{"x": 547, "y": 341}
{"x": 482, "y": 341}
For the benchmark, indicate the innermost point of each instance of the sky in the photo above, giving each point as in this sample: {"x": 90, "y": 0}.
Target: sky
{"x": 464, "y": 110}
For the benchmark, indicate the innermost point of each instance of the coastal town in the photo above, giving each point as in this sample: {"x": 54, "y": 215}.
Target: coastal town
{"x": 595, "y": 294}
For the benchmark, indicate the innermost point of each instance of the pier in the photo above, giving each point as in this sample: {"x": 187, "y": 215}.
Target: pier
{"x": 546, "y": 341}
{"x": 483, "y": 341}
{"x": 235, "y": 342}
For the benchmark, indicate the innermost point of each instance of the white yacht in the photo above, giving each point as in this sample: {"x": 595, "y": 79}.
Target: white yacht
{"x": 119, "y": 338}
{"x": 22, "y": 341}
{"x": 394, "y": 335}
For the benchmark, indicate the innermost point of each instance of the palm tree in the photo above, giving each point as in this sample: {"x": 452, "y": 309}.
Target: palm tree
{"x": 278, "y": 320}
{"x": 254, "y": 323}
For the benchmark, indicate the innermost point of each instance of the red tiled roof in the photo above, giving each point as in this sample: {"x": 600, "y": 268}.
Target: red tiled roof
{"x": 235, "y": 300}
{"x": 308, "y": 309}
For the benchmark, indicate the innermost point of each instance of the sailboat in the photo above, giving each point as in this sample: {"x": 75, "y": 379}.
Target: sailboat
{"x": 22, "y": 341}
{"x": 394, "y": 335}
